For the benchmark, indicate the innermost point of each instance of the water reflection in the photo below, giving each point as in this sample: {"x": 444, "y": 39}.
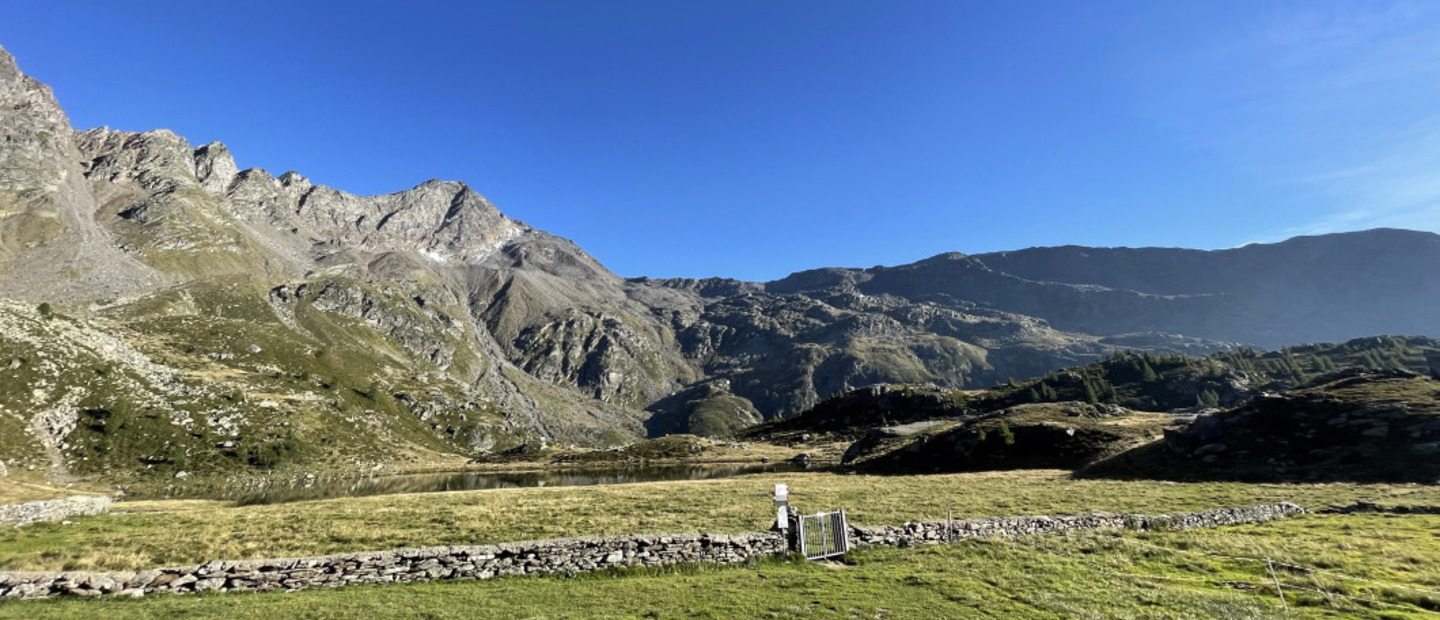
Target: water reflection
{"x": 471, "y": 481}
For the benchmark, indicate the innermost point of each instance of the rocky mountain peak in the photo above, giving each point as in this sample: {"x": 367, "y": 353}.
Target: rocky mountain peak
{"x": 35, "y": 128}
{"x": 292, "y": 178}
{"x": 945, "y": 257}
{"x": 158, "y": 160}
{"x": 817, "y": 279}
{"x": 9, "y": 71}
{"x": 14, "y": 82}
{"x": 445, "y": 221}
{"x": 50, "y": 244}
{"x": 215, "y": 167}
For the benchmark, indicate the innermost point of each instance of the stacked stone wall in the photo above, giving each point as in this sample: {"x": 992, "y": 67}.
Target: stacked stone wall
{"x": 564, "y": 556}
{"x": 546, "y": 557}
{"x": 53, "y": 509}
{"x": 1368, "y": 507}
{"x": 943, "y": 531}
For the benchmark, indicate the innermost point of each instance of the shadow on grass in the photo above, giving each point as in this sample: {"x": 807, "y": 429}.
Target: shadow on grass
{"x": 1155, "y": 461}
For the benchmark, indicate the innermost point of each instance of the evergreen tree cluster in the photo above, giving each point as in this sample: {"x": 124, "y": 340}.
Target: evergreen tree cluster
{"x": 1098, "y": 389}
{"x": 1209, "y": 398}
{"x": 1142, "y": 380}
{"x": 1385, "y": 359}
{"x": 1092, "y": 387}
{"x": 1284, "y": 366}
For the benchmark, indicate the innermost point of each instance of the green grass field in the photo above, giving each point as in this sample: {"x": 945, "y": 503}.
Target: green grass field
{"x": 158, "y": 533}
{"x": 1379, "y": 566}
{"x": 1370, "y": 566}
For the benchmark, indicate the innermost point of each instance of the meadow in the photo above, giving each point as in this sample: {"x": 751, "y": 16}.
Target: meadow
{"x": 1371, "y": 565}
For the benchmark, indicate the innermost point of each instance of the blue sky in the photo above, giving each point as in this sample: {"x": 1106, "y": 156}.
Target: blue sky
{"x": 753, "y": 139}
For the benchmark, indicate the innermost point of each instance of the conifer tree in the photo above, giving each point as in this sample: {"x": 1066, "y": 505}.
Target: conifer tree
{"x": 1209, "y": 398}
{"x": 1048, "y": 393}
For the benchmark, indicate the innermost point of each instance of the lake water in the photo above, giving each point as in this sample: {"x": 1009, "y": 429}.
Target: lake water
{"x": 471, "y": 481}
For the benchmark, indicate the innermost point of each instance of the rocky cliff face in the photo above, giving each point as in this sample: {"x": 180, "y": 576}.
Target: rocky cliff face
{"x": 46, "y": 221}
{"x": 165, "y": 311}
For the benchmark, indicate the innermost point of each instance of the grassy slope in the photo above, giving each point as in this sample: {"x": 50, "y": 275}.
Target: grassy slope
{"x": 248, "y": 395}
{"x": 181, "y": 532}
{"x": 1030, "y": 436}
{"x": 1303, "y": 432}
{"x": 1139, "y": 382}
{"x": 1179, "y": 381}
{"x": 1349, "y": 566}
{"x": 29, "y": 486}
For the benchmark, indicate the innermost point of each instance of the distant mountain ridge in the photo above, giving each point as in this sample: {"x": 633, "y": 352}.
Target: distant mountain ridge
{"x": 1325, "y": 288}
{"x": 163, "y": 311}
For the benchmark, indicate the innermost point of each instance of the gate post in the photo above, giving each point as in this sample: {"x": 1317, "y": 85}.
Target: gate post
{"x": 796, "y": 532}
{"x": 782, "y": 503}
{"x": 787, "y": 518}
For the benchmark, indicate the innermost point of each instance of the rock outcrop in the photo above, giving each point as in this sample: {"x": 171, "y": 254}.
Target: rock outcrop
{"x": 40, "y": 511}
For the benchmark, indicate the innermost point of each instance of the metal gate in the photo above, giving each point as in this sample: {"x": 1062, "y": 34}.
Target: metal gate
{"x": 823, "y": 535}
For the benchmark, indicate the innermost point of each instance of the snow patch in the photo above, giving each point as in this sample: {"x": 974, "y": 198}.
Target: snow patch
{"x": 434, "y": 256}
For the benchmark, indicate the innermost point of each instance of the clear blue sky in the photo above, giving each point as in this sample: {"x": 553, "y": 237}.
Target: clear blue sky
{"x": 753, "y": 139}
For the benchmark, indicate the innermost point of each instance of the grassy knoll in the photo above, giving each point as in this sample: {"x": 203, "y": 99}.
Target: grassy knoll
{"x": 1364, "y": 566}
{"x": 158, "y": 533}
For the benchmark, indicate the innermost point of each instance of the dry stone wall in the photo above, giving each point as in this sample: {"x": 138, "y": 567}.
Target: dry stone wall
{"x": 942, "y": 531}
{"x": 1368, "y": 507}
{"x": 562, "y": 556}
{"x": 547, "y": 557}
{"x": 53, "y": 509}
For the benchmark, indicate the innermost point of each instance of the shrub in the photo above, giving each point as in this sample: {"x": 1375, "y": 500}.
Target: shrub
{"x": 1005, "y": 434}
{"x": 269, "y": 454}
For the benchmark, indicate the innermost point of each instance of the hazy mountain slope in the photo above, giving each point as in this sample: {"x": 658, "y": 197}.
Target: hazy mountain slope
{"x": 1307, "y": 289}
{"x": 783, "y": 352}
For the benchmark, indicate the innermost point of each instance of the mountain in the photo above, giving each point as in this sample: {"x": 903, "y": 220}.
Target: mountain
{"x": 1360, "y": 410}
{"x": 192, "y": 316}
{"x": 1307, "y": 289}
{"x": 163, "y": 311}
{"x": 1165, "y": 382}
{"x": 1325, "y": 288}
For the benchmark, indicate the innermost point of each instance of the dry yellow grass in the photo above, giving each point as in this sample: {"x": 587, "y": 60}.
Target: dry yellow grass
{"x": 15, "y": 490}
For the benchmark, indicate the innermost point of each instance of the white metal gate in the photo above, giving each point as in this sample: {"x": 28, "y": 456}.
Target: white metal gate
{"x": 823, "y": 535}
